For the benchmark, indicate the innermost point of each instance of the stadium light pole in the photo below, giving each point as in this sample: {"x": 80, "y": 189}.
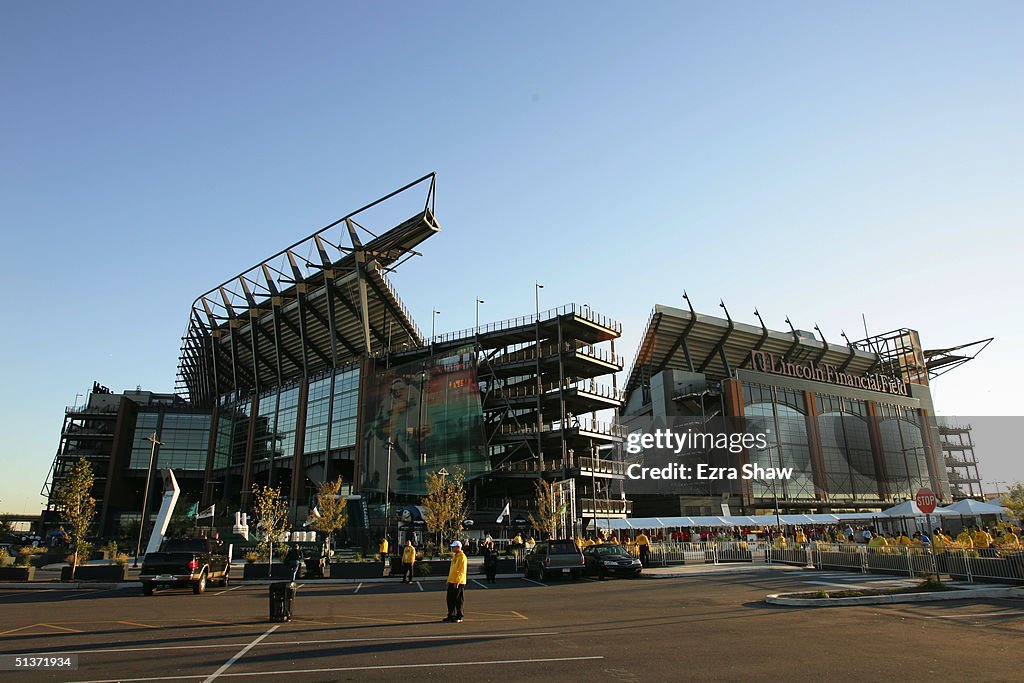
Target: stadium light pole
{"x": 145, "y": 494}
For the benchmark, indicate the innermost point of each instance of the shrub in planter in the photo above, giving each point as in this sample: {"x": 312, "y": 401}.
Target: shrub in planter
{"x": 5, "y": 559}
{"x": 251, "y": 557}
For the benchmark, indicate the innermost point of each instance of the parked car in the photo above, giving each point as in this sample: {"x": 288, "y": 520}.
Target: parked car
{"x": 184, "y": 562}
{"x": 610, "y": 559}
{"x": 551, "y": 558}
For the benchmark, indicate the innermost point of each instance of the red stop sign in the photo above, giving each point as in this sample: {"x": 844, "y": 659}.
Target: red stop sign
{"x": 926, "y": 500}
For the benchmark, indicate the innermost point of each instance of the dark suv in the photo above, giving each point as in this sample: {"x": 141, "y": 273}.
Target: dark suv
{"x": 550, "y": 558}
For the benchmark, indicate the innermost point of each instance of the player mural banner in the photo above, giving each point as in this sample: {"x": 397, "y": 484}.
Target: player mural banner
{"x": 431, "y": 414}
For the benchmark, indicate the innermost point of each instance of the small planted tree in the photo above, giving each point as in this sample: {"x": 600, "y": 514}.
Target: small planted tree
{"x": 444, "y": 505}
{"x": 271, "y": 517}
{"x": 1013, "y": 500}
{"x": 546, "y": 520}
{"x": 331, "y": 506}
{"x": 73, "y": 496}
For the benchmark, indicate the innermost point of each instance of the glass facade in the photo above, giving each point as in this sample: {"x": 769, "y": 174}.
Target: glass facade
{"x": 846, "y": 448}
{"x": 184, "y": 438}
{"x": 844, "y": 429}
{"x": 331, "y": 411}
{"x": 905, "y": 456}
{"x": 784, "y": 413}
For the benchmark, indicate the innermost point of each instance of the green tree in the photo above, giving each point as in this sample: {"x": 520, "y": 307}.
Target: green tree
{"x": 547, "y": 518}
{"x": 271, "y": 517}
{"x": 77, "y": 507}
{"x": 331, "y": 506}
{"x": 444, "y": 505}
{"x": 1013, "y": 500}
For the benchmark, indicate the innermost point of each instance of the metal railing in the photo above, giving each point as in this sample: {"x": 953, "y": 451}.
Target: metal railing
{"x": 586, "y": 386}
{"x": 524, "y": 320}
{"x": 583, "y": 424}
{"x": 988, "y": 564}
{"x": 601, "y": 465}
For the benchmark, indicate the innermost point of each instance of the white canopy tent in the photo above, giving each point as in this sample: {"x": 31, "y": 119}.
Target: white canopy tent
{"x": 969, "y": 507}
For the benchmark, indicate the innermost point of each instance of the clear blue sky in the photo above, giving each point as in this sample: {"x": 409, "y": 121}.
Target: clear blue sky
{"x": 816, "y": 160}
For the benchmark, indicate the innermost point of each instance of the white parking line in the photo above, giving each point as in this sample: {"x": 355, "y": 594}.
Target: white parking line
{"x": 532, "y": 581}
{"x": 229, "y": 590}
{"x": 241, "y": 653}
{"x": 382, "y": 667}
{"x": 971, "y": 616}
{"x": 479, "y": 584}
{"x": 420, "y": 585}
{"x": 288, "y": 643}
{"x": 357, "y": 589}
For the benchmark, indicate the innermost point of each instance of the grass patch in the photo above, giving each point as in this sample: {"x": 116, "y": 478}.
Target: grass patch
{"x": 923, "y": 587}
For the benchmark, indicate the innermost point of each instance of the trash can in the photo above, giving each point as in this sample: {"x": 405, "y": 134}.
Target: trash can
{"x": 282, "y": 594}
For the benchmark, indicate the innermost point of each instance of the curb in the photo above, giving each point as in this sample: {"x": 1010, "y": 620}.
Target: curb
{"x": 57, "y": 585}
{"x": 958, "y": 594}
{"x": 706, "y": 572}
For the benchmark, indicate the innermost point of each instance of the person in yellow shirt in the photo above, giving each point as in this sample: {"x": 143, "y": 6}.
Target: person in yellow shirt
{"x": 982, "y": 539}
{"x": 408, "y": 560}
{"x": 383, "y": 548}
{"x": 965, "y": 540}
{"x": 801, "y": 537}
{"x": 1009, "y": 540}
{"x": 456, "y": 584}
{"x": 589, "y": 542}
{"x": 903, "y": 539}
{"x": 644, "y": 544}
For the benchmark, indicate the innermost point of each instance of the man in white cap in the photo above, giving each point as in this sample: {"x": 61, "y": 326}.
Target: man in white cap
{"x": 456, "y": 583}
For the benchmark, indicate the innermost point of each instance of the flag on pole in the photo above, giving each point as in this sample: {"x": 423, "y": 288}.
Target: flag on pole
{"x": 208, "y": 512}
{"x": 191, "y": 512}
{"x": 501, "y": 517}
{"x": 315, "y": 512}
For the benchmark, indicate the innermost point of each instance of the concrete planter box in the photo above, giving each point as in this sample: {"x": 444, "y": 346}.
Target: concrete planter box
{"x": 357, "y": 570}
{"x": 437, "y": 567}
{"x": 259, "y": 570}
{"x": 505, "y": 566}
{"x": 105, "y": 572}
{"x": 17, "y": 573}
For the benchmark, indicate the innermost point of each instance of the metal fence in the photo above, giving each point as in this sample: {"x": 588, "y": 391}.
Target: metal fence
{"x": 988, "y": 564}
{"x": 702, "y": 552}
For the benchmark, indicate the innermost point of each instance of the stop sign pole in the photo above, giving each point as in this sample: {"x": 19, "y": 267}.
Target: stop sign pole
{"x": 925, "y": 500}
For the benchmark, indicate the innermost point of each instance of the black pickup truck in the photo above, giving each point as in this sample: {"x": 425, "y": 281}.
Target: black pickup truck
{"x": 185, "y": 561}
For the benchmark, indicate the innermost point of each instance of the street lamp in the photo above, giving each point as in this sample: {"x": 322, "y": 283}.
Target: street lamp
{"x": 775, "y": 495}
{"x": 478, "y": 302}
{"x": 387, "y": 493}
{"x": 433, "y": 318}
{"x": 145, "y": 495}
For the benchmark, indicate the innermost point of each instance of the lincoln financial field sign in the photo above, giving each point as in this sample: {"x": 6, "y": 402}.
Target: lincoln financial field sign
{"x": 770, "y": 363}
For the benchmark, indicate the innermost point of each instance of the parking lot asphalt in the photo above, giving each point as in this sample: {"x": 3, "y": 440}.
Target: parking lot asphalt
{"x": 709, "y": 626}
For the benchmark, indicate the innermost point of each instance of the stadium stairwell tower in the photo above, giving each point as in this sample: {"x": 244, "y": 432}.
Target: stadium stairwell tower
{"x": 541, "y": 393}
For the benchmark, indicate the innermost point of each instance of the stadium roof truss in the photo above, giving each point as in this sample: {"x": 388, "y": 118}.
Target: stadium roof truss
{"x": 689, "y": 341}
{"x": 320, "y": 303}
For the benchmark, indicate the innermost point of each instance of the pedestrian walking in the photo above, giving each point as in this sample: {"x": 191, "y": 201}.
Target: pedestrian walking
{"x": 408, "y": 560}
{"x": 456, "y": 584}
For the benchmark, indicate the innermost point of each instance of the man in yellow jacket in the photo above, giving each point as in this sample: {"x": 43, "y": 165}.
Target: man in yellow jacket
{"x": 644, "y": 544}
{"x": 408, "y": 560}
{"x": 456, "y": 583}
